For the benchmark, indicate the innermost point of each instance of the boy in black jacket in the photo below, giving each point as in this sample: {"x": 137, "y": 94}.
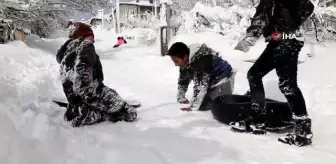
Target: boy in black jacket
{"x": 274, "y": 19}
{"x": 212, "y": 75}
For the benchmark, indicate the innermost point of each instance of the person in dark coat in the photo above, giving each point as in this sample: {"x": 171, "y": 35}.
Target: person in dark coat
{"x": 274, "y": 19}
{"x": 212, "y": 75}
{"x": 81, "y": 73}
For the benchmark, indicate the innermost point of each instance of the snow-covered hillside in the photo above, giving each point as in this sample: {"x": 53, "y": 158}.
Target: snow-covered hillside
{"x": 32, "y": 129}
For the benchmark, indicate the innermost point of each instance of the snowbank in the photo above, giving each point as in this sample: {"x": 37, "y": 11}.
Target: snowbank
{"x": 27, "y": 82}
{"x": 329, "y": 11}
{"x": 48, "y": 45}
{"x": 220, "y": 14}
{"x": 141, "y": 36}
{"x": 231, "y": 21}
{"x": 28, "y": 75}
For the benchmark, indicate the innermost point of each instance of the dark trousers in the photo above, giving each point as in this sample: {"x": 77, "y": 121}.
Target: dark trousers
{"x": 206, "y": 104}
{"x": 283, "y": 57}
{"x": 96, "y": 104}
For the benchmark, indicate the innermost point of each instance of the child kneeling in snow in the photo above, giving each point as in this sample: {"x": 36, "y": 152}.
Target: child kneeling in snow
{"x": 212, "y": 76}
{"x": 90, "y": 101}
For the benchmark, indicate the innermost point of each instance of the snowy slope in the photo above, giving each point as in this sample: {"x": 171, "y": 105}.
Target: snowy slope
{"x": 32, "y": 129}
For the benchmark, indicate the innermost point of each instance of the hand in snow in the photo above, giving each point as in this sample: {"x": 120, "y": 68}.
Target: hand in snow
{"x": 185, "y": 106}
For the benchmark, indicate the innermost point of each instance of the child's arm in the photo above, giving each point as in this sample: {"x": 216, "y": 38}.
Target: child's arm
{"x": 258, "y": 23}
{"x": 183, "y": 83}
{"x": 201, "y": 80}
{"x": 259, "y": 20}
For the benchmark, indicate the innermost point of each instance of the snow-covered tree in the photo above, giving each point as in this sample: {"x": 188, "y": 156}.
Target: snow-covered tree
{"x": 41, "y": 17}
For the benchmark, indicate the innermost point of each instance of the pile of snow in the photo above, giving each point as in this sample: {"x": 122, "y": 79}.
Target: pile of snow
{"x": 27, "y": 82}
{"x": 134, "y": 21}
{"x": 59, "y": 33}
{"x": 47, "y": 45}
{"x": 329, "y": 11}
{"x": 141, "y": 36}
{"x": 231, "y": 21}
{"x": 30, "y": 74}
{"x": 220, "y": 14}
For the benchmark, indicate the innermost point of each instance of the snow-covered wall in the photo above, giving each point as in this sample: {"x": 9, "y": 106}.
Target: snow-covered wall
{"x": 231, "y": 21}
{"x": 329, "y": 11}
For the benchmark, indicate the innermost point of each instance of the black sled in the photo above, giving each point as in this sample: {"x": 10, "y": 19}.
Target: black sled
{"x": 134, "y": 104}
{"x": 232, "y": 108}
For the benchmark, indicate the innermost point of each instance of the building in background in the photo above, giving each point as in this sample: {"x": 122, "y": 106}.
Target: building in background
{"x": 327, "y": 3}
{"x": 138, "y": 8}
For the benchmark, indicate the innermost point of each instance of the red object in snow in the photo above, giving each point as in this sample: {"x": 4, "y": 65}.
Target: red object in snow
{"x": 121, "y": 41}
{"x": 186, "y": 109}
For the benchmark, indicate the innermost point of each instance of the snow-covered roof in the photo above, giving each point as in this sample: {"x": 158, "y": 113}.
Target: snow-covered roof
{"x": 140, "y": 3}
{"x": 329, "y": 11}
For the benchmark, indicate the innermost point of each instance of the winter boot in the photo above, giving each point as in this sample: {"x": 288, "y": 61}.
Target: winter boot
{"x": 88, "y": 116}
{"x": 254, "y": 124}
{"x": 71, "y": 112}
{"x": 248, "y": 93}
{"x": 302, "y": 135}
{"x": 127, "y": 113}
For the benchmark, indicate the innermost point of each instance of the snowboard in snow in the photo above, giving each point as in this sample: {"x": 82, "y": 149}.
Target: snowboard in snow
{"x": 133, "y": 103}
{"x": 230, "y": 108}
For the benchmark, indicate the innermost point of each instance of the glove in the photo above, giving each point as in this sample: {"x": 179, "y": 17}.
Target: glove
{"x": 185, "y": 106}
{"x": 245, "y": 44}
{"x": 186, "y": 101}
{"x": 186, "y": 109}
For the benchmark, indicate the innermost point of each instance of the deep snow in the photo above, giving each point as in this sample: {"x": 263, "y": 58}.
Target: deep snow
{"x": 32, "y": 129}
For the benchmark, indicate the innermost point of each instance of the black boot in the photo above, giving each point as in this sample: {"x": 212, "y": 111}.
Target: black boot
{"x": 126, "y": 113}
{"x": 129, "y": 112}
{"x": 254, "y": 124}
{"x": 302, "y": 135}
{"x": 89, "y": 116}
{"x": 71, "y": 112}
{"x": 248, "y": 93}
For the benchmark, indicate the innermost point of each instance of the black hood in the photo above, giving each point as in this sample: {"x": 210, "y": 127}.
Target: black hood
{"x": 61, "y": 52}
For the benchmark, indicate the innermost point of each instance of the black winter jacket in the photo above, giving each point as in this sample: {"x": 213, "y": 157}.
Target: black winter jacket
{"x": 279, "y": 15}
{"x": 69, "y": 53}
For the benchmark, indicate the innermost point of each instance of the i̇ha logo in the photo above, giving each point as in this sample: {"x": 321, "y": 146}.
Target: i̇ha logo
{"x": 276, "y": 36}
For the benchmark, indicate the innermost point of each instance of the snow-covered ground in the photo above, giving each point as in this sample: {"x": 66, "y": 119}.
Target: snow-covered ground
{"x": 32, "y": 129}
